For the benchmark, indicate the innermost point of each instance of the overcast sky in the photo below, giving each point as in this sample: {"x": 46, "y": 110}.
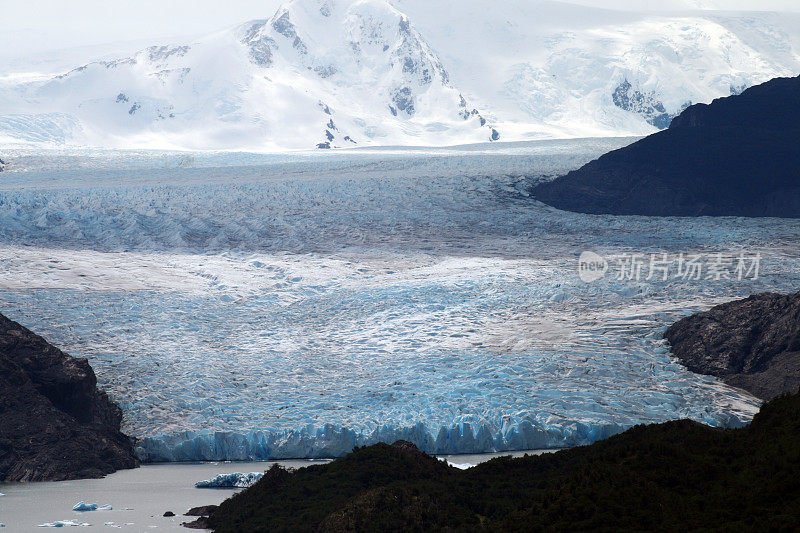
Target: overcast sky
{"x": 30, "y": 26}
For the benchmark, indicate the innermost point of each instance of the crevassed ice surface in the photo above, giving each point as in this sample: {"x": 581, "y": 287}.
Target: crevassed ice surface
{"x": 242, "y": 306}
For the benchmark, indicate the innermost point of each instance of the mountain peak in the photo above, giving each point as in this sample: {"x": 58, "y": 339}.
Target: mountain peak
{"x": 393, "y": 74}
{"x": 318, "y": 73}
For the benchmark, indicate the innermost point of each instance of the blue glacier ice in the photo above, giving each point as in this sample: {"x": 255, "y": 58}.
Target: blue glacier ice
{"x": 65, "y": 523}
{"x": 235, "y": 480}
{"x": 83, "y": 506}
{"x": 298, "y": 305}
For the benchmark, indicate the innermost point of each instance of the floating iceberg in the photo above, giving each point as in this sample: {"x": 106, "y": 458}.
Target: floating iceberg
{"x": 235, "y": 480}
{"x": 83, "y": 506}
{"x": 65, "y": 523}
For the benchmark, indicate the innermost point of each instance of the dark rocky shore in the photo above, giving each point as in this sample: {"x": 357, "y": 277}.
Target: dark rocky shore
{"x": 54, "y": 422}
{"x": 738, "y": 156}
{"x": 753, "y": 343}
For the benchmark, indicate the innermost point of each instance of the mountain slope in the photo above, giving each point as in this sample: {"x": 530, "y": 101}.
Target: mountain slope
{"x": 317, "y": 73}
{"x": 738, "y": 156}
{"x": 344, "y": 73}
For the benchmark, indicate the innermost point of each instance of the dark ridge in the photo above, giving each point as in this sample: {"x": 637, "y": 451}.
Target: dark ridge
{"x": 676, "y": 476}
{"x": 54, "y": 422}
{"x": 753, "y": 343}
{"x": 738, "y": 156}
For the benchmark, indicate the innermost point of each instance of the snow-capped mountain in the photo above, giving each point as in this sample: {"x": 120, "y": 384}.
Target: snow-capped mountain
{"x": 549, "y": 69}
{"x": 318, "y": 73}
{"x": 342, "y": 73}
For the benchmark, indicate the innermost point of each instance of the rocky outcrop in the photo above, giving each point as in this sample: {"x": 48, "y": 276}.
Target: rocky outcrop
{"x": 737, "y": 156}
{"x": 753, "y": 343}
{"x": 54, "y": 422}
{"x": 203, "y": 512}
{"x": 646, "y": 104}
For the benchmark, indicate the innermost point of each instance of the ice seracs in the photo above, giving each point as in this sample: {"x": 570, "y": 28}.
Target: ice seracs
{"x": 427, "y": 298}
{"x": 549, "y": 68}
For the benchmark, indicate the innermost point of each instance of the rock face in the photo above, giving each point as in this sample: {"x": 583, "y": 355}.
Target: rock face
{"x": 54, "y": 422}
{"x": 646, "y": 104}
{"x": 753, "y": 343}
{"x": 738, "y": 156}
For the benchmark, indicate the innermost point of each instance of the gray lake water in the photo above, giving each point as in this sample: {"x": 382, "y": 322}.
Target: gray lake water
{"x": 140, "y": 497}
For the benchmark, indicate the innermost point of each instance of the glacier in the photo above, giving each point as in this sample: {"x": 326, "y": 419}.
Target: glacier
{"x": 243, "y": 306}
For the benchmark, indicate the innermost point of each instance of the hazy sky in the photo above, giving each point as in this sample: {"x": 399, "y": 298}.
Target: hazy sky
{"x": 49, "y": 24}
{"x": 29, "y": 26}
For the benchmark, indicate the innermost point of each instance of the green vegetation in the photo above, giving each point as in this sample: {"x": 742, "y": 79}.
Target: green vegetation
{"x": 675, "y": 476}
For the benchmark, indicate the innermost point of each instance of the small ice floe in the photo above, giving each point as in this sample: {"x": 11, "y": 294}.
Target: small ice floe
{"x": 237, "y": 480}
{"x": 83, "y": 506}
{"x": 111, "y": 524}
{"x": 65, "y": 523}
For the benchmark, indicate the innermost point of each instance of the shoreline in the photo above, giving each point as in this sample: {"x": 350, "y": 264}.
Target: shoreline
{"x": 140, "y": 496}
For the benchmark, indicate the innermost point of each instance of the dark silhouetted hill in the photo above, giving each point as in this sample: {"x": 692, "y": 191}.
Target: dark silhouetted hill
{"x": 676, "y": 476}
{"x": 738, "y": 156}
